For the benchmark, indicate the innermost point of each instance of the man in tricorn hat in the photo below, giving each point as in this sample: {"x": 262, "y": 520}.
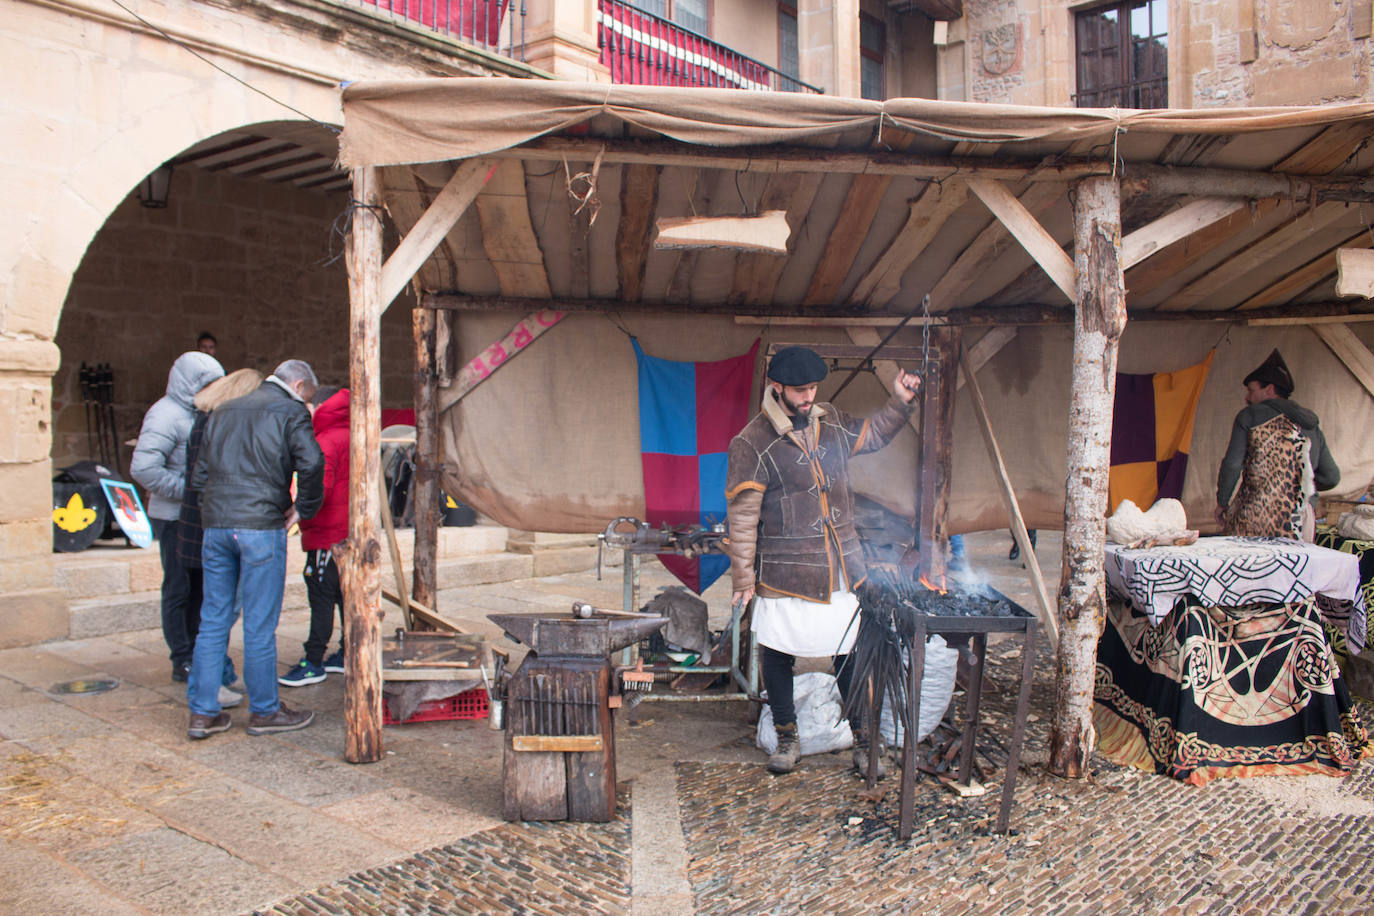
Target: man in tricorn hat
{"x": 792, "y": 537}
{"x": 1279, "y": 457}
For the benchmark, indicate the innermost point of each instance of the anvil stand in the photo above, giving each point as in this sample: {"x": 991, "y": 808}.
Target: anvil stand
{"x": 748, "y": 684}
{"x": 978, "y": 628}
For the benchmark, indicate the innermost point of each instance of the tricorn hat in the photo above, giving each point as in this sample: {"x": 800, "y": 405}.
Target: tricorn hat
{"x": 1273, "y": 371}
{"x": 797, "y": 367}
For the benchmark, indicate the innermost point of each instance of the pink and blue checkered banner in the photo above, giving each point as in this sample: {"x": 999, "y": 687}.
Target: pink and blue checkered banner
{"x": 688, "y": 413}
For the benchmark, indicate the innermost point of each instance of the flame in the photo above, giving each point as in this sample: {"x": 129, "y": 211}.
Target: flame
{"x": 932, "y": 586}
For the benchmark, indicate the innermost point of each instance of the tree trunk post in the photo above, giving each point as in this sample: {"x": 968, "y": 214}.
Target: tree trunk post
{"x": 425, "y": 492}
{"x": 937, "y": 452}
{"x": 362, "y": 555}
{"x": 1100, "y": 318}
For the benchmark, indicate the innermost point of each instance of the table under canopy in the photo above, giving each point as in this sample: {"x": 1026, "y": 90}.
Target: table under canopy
{"x": 1217, "y": 660}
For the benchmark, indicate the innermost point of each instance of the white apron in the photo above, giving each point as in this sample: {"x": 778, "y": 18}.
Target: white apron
{"x": 806, "y": 628}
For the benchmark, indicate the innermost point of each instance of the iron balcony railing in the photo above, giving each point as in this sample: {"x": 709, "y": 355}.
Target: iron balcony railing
{"x": 484, "y": 23}
{"x": 1152, "y": 93}
{"x": 643, "y": 49}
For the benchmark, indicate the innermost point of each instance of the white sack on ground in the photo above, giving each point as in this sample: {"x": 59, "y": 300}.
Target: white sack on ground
{"x": 820, "y": 727}
{"x": 937, "y": 688}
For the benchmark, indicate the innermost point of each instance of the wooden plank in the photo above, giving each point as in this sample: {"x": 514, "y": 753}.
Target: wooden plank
{"x": 987, "y": 246}
{"x": 1350, "y": 351}
{"x": 1211, "y": 285}
{"x": 757, "y": 275}
{"x": 846, "y": 238}
{"x": 1045, "y": 610}
{"x": 638, "y": 202}
{"x": 1296, "y": 281}
{"x": 508, "y": 236}
{"x": 767, "y": 232}
{"x": 1101, "y": 306}
{"x": 359, "y": 556}
{"x": 1355, "y": 272}
{"x": 926, "y": 216}
{"x": 526, "y": 331}
{"x": 425, "y": 489}
{"x": 561, "y": 743}
{"x": 937, "y": 454}
{"x": 431, "y": 228}
{"x": 1179, "y": 224}
{"x": 1024, "y": 227}
{"x": 424, "y": 613}
{"x": 977, "y": 356}
{"x": 394, "y": 549}
{"x": 1324, "y": 319}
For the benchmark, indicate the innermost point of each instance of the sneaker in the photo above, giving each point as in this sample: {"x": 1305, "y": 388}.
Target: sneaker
{"x": 784, "y": 759}
{"x": 205, "y": 726}
{"x": 334, "y": 663}
{"x": 284, "y": 719}
{"x": 301, "y": 674}
{"x": 181, "y": 671}
{"x": 229, "y": 697}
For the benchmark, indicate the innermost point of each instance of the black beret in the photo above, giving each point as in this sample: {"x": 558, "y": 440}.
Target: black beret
{"x": 1273, "y": 371}
{"x": 797, "y": 367}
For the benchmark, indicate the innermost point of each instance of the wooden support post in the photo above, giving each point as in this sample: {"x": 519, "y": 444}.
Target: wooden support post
{"x": 1099, "y": 322}
{"x": 425, "y": 491}
{"x": 360, "y": 569}
{"x": 937, "y": 452}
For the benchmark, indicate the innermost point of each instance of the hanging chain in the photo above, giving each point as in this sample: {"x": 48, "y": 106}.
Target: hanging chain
{"x": 925, "y": 335}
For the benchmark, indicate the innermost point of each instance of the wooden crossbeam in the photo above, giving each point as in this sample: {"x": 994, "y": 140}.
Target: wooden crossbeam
{"x": 1350, "y": 350}
{"x": 1026, "y": 229}
{"x": 1178, "y": 224}
{"x": 927, "y": 215}
{"x": 1295, "y": 282}
{"x": 431, "y": 228}
{"x": 508, "y": 235}
{"x": 638, "y": 201}
{"x": 846, "y": 238}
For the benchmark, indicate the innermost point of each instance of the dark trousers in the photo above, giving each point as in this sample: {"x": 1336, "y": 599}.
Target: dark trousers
{"x": 325, "y": 594}
{"x": 776, "y": 668}
{"x": 181, "y": 595}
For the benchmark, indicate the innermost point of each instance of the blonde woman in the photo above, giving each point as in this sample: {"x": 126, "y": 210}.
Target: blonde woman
{"x": 189, "y": 530}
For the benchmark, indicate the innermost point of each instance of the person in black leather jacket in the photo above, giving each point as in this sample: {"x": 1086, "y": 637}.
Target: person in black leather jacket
{"x": 252, "y": 446}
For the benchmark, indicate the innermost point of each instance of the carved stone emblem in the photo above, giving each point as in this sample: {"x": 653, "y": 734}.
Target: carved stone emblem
{"x": 1002, "y": 49}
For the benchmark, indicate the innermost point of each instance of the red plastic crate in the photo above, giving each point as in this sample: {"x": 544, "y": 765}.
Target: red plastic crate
{"x": 470, "y": 704}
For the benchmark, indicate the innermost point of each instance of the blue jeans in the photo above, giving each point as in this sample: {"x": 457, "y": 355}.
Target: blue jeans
{"x": 251, "y": 564}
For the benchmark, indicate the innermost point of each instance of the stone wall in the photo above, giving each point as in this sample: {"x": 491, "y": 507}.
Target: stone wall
{"x": 257, "y": 264}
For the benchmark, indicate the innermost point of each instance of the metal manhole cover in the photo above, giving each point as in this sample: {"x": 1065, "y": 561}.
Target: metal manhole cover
{"x": 86, "y": 685}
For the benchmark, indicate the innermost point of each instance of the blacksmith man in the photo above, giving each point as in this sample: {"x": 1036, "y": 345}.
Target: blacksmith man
{"x": 792, "y": 537}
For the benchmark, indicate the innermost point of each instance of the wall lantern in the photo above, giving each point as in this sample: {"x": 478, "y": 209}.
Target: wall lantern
{"x": 153, "y": 190}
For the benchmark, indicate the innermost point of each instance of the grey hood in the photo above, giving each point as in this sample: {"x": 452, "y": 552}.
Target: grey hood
{"x": 191, "y": 372}
{"x": 1294, "y": 411}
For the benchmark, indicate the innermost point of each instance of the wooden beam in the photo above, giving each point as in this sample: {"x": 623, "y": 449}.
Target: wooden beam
{"x": 1166, "y": 181}
{"x": 768, "y": 232}
{"x": 359, "y": 556}
{"x": 481, "y": 366}
{"x": 1170, "y": 228}
{"x": 1355, "y": 272}
{"x": 638, "y": 201}
{"x": 398, "y": 569}
{"x": 1100, "y": 321}
{"x": 1350, "y": 350}
{"x": 1295, "y": 282}
{"x": 846, "y": 238}
{"x": 1350, "y": 318}
{"x": 1024, "y": 227}
{"x": 937, "y": 453}
{"x": 1210, "y": 286}
{"x": 987, "y": 247}
{"x": 757, "y": 275}
{"x": 429, "y": 231}
{"x": 1046, "y": 611}
{"x": 425, "y": 489}
{"x": 507, "y": 234}
{"x": 926, "y": 216}
{"x": 981, "y": 353}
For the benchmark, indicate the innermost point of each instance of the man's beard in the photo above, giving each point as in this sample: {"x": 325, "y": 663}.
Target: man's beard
{"x": 799, "y": 410}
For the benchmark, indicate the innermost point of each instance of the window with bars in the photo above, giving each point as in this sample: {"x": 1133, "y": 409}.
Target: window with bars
{"x": 872, "y": 44}
{"x": 789, "y": 48}
{"x": 1123, "y": 55}
{"x": 690, "y": 14}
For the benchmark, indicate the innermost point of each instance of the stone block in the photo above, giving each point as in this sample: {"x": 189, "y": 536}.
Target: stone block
{"x": 115, "y": 614}
{"x": 39, "y": 357}
{"x": 145, "y": 571}
{"x": 32, "y": 616}
{"x": 531, "y": 541}
{"x": 28, "y": 493}
{"x": 483, "y": 569}
{"x": 1309, "y": 82}
{"x": 89, "y": 579}
{"x": 460, "y": 542}
{"x": 27, "y": 539}
{"x": 26, "y": 415}
{"x": 557, "y": 561}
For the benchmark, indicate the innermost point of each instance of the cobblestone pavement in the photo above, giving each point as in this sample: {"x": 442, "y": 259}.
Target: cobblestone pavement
{"x": 815, "y": 841}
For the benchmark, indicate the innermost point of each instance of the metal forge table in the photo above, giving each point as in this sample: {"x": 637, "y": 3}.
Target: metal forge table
{"x": 978, "y": 627}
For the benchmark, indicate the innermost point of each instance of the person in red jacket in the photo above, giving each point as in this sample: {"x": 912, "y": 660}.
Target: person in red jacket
{"x": 318, "y": 537}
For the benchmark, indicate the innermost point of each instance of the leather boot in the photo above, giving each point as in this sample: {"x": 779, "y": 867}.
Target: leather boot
{"x": 784, "y": 759}
{"x": 860, "y": 757}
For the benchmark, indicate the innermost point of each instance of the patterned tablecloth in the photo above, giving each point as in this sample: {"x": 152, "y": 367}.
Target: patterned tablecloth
{"x": 1232, "y": 572}
{"x": 1360, "y": 624}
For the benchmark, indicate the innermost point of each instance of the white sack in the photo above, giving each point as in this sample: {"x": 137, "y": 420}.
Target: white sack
{"x": 820, "y": 726}
{"x": 937, "y": 688}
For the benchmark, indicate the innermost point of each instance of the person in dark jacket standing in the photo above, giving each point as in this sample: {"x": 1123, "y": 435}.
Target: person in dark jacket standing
{"x": 253, "y": 445}
{"x": 792, "y": 536}
{"x": 159, "y": 465}
{"x": 1279, "y": 458}
{"x": 318, "y": 537}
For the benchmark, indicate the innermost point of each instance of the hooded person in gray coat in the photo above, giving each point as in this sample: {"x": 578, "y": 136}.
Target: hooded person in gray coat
{"x": 159, "y": 466}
